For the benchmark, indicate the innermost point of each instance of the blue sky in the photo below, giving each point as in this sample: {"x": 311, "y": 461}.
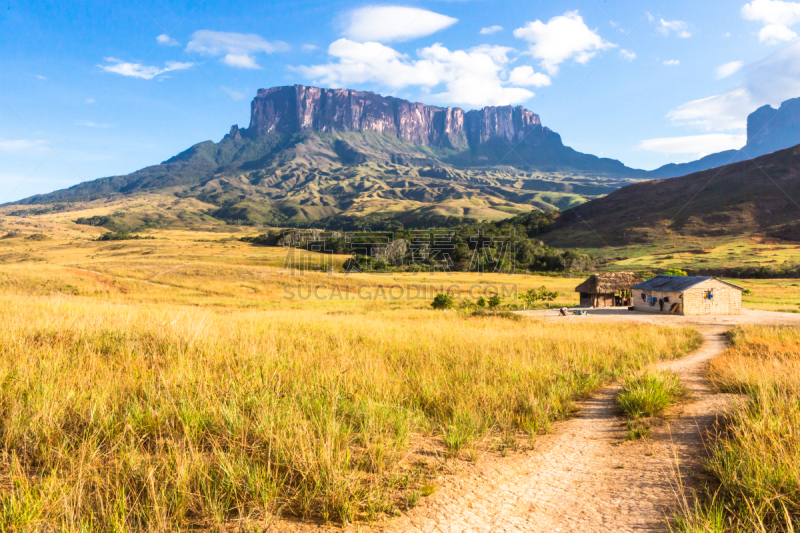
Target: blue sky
{"x": 93, "y": 89}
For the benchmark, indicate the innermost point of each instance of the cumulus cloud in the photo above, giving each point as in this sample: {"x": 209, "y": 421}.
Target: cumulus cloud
{"x": 474, "y": 77}
{"x": 696, "y": 145}
{"x": 392, "y": 23}
{"x": 728, "y": 69}
{"x": 20, "y": 145}
{"x": 235, "y": 49}
{"x": 137, "y": 70}
{"x": 672, "y": 62}
{"x": 526, "y": 77}
{"x": 562, "y": 38}
{"x": 491, "y": 29}
{"x": 627, "y": 55}
{"x": 166, "y": 40}
{"x": 679, "y": 27}
{"x": 776, "y": 16}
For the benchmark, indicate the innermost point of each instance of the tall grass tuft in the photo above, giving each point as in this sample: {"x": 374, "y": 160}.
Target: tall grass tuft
{"x": 121, "y": 417}
{"x": 649, "y": 393}
{"x": 755, "y": 455}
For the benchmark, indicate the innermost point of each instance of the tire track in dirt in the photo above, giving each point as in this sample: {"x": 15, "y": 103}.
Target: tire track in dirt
{"x": 585, "y": 476}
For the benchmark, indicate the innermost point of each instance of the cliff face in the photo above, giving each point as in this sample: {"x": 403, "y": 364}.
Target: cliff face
{"x": 295, "y": 109}
{"x": 770, "y": 129}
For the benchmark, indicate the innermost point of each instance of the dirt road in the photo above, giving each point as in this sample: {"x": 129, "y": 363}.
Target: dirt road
{"x": 585, "y": 477}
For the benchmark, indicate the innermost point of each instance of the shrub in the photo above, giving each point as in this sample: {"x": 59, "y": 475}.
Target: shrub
{"x": 442, "y": 301}
{"x": 482, "y": 302}
{"x": 649, "y": 393}
{"x": 494, "y": 301}
{"x": 675, "y": 272}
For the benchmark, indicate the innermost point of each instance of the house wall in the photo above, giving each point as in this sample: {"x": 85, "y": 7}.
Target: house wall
{"x": 642, "y": 305}
{"x": 602, "y": 300}
{"x": 727, "y": 300}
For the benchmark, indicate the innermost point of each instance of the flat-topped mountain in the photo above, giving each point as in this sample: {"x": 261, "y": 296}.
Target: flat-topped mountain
{"x": 768, "y": 130}
{"x": 298, "y": 109}
{"x": 311, "y": 153}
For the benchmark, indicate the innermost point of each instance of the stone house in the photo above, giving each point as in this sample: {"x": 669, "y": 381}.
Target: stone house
{"x": 688, "y": 295}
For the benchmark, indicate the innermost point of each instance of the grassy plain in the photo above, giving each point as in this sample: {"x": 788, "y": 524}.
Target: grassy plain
{"x": 167, "y": 383}
{"x": 755, "y": 456}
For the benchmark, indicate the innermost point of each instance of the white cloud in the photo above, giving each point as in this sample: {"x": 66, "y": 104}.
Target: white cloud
{"x": 772, "y": 80}
{"x": 473, "y": 77}
{"x": 672, "y": 63}
{"x": 776, "y": 16}
{"x": 237, "y": 49}
{"x": 680, "y": 27}
{"x": 393, "y": 23}
{"x": 728, "y": 69}
{"x": 696, "y": 145}
{"x": 234, "y": 94}
{"x": 90, "y": 124}
{"x": 41, "y": 77}
{"x": 721, "y": 112}
{"x": 137, "y": 70}
{"x": 563, "y": 37}
{"x": 309, "y": 48}
{"x": 166, "y": 40}
{"x": 90, "y": 100}
{"x": 491, "y": 29}
{"x": 526, "y": 77}
{"x": 20, "y": 145}
{"x": 627, "y": 55}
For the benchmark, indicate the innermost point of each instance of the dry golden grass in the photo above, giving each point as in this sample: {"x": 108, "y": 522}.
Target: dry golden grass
{"x": 155, "y": 417}
{"x": 167, "y": 384}
{"x": 756, "y": 455}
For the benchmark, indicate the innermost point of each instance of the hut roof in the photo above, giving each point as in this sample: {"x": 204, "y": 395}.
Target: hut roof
{"x": 666, "y": 283}
{"x": 608, "y": 283}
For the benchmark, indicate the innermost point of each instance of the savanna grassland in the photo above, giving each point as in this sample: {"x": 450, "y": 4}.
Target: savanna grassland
{"x": 166, "y": 383}
{"x": 755, "y": 455}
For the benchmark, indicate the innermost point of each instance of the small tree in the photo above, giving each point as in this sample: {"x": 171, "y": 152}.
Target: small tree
{"x": 675, "y": 272}
{"x": 494, "y": 301}
{"x": 481, "y": 302}
{"x": 539, "y": 295}
{"x": 442, "y": 301}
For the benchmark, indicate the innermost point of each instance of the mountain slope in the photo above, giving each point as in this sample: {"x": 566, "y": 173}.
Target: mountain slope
{"x": 310, "y": 153}
{"x": 758, "y": 197}
{"x": 768, "y": 130}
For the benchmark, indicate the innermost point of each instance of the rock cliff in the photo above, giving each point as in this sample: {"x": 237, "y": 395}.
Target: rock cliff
{"x": 299, "y": 108}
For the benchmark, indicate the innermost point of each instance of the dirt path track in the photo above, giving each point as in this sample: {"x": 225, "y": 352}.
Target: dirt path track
{"x": 585, "y": 477}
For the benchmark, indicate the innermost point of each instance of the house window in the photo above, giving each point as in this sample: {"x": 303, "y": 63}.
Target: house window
{"x": 709, "y": 295}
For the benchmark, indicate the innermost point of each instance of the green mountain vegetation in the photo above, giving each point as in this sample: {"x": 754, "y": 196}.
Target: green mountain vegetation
{"x": 320, "y": 179}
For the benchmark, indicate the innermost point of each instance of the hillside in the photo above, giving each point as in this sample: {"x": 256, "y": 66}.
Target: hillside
{"x": 750, "y": 198}
{"x": 310, "y": 154}
{"x": 768, "y": 130}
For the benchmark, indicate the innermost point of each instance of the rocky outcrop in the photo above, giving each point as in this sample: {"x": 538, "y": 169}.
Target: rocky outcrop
{"x": 295, "y": 109}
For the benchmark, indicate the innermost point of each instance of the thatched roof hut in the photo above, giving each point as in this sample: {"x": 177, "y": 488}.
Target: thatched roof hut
{"x": 606, "y": 289}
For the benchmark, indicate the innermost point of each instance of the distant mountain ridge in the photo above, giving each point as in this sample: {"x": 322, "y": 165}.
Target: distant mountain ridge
{"x": 748, "y": 198}
{"x": 310, "y": 153}
{"x": 768, "y": 130}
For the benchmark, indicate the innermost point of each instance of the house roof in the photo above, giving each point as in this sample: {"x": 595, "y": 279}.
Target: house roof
{"x": 608, "y": 283}
{"x": 676, "y": 283}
